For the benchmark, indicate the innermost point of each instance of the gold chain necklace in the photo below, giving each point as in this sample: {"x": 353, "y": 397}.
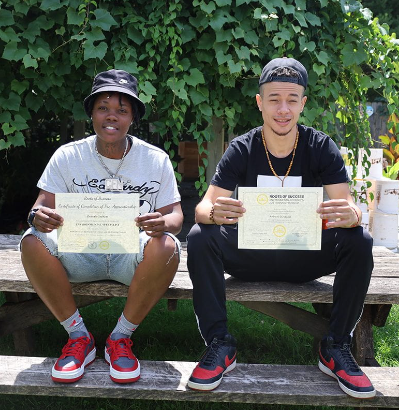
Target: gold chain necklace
{"x": 270, "y": 163}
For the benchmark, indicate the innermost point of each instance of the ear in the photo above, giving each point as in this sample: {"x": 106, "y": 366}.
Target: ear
{"x": 304, "y": 99}
{"x": 259, "y": 101}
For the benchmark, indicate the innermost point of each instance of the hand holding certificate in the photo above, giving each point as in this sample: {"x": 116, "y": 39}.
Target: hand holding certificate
{"x": 98, "y": 223}
{"x": 280, "y": 218}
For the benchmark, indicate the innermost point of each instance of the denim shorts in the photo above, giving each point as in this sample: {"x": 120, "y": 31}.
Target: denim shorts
{"x": 90, "y": 267}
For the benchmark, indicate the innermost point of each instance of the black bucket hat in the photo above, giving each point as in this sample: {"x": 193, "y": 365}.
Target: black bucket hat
{"x": 268, "y": 74}
{"x": 115, "y": 80}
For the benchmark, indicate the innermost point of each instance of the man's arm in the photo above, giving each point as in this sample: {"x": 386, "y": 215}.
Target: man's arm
{"x": 340, "y": 210}
{"x": 217, "y": 207}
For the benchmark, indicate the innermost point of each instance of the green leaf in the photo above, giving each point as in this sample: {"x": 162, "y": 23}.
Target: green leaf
{"x": 187, "y": 34}
{"x": 29, "y": 61}
{"x": 303, "y": 45}
{"x": 8, "y": 129}
{"x": 301, "y": 4}
{"x": 206, "y": 41}
{"x": 234, "y": 67}
{"x": 323, "y": 57}
{"x": 196, "y": 97}
{"x": 208, "y": 8}
{"x": 103, "y": 20}
{"x": 4, "y": 144}
{"x": 13, "y": 103}
{"x": 288, "y": 8}
{"x": 313, "y": 19}
{"x": 19, "y": 86}
{"x": 96, "y": 34}
{"x": 12, "y": 52}
{"x": 243, "y": 53}
{"x": 52, "y": 4}
{"x": 135, "y": 34}
{"x": 352, "y": 56}
{"x": 148, "y": 88}
{"x": 221, "y": 58}
{"x": 17, "y": 139}
{"x": 74, "y": 18}
{"x": 195, "y": 77}
{"x": 205, "y": 109}
{"x": 238, "y": 33}
{"x": 218, "y": 19}
{"x": 222, "y": 3}
{"x": 92, "y": 51}
{"x": 6, "y": 18}
{"x": 19, "y": 123}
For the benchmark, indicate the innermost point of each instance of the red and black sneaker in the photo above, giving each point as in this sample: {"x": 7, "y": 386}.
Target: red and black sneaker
{"x": 123, "y": 364}
{"x": 218, "y": 359}
{"x": 78, "y": 353}
{"x": 337, "y": 361}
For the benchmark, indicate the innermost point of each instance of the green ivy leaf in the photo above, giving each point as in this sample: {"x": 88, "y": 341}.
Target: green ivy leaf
{"x": 12, "y": 52}
{"x": 4, "y": 144}
{"x": 351, "y": 56}
{"x": 208, "y": 8}
{"x": 234, "y": 67}
{"x": 74, "y": 18}
{"x": 313, "y": 19}
{"x": 19, "y": 123}
{"x": 29, "y": 61}
{"x": 222, "y": 58}
{"x": 13, "y": 103}
{"x": 222, "y": 3}
{"x": 17, "y": 139}
{"x": 19, "y": 86}
{"x": 135, "y": 34}
{"x": 6, "y": 18}
{"x": 195, "y": 77}
{"x": 103, "y": 20}
{"x": 148, "y": 88}
{"x": 238, "y": 33}
{"x": 52, "y": 4}
{"x": 96, "y": 34}
{"x": 323, "y": 57}
{"x": 205, "y": 109}
{"x": 92, "y": 51}
{"x": 7, "y": 128}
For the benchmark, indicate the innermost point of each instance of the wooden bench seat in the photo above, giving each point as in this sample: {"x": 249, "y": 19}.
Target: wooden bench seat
{"x": 272, "y": 298}
{"x": 248, "y": 383}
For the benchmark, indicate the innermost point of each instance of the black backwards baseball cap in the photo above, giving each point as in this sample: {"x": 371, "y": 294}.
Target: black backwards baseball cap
{"x": 114, "y": 80}
{"x": 269, "y": 72}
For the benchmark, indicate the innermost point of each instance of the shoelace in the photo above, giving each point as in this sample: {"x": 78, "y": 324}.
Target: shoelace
{"x": 348, "y": 358}
{"x": 211, "y": 353}
{"x": 74, "y": 347}
{"x": 121, "y": 348}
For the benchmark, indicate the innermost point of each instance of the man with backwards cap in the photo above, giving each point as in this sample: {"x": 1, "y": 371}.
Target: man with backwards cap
{"x": 280, "y": 153}
{"x": 109, "y": 162}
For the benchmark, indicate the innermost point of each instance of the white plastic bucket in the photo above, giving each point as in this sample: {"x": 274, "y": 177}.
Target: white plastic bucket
{"x": 384, "y": 228}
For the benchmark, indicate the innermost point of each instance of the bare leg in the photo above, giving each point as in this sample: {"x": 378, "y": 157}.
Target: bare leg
{"x": 152, "y": 278}
{"x": 48, "y": 278}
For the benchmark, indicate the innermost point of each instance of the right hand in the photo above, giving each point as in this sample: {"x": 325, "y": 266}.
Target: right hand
{"x": 46, "y": 220}
{"x": 227, "y": 210}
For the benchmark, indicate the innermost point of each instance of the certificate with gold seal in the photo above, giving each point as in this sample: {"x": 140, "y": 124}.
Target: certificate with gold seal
{"x": 280, "y": 218}
{"x": 98, "y": 223}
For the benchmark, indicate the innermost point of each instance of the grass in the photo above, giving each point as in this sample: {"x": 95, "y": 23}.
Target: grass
{"x": 173, "y": 335}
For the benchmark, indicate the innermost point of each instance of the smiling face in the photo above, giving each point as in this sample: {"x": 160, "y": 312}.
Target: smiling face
{"x": 112, "y": 116}
{"x": 281, "y": 103}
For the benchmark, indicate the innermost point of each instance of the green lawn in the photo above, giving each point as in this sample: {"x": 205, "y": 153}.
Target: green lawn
{"x": 173, "y": 335}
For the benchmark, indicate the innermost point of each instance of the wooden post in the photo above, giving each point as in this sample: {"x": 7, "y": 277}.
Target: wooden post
{"x": 79, "y": 128}
{"x": 215, "y": 147}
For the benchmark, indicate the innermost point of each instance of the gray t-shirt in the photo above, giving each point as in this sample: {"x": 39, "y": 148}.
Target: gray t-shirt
{"x": 75, "y": 167}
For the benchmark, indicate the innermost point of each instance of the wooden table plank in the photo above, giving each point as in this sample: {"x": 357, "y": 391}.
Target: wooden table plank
{"x": 248, "y": 383}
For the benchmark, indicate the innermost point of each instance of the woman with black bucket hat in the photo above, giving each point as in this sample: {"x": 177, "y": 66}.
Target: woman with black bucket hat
{"x": 111, "y": 161}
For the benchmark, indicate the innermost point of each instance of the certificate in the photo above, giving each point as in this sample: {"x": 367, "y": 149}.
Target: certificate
{"x": 98, "y": 223}
{"x": 280, "y": 218}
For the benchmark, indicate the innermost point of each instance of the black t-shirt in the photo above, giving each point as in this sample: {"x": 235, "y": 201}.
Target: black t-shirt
{"x": 317, "y": 160}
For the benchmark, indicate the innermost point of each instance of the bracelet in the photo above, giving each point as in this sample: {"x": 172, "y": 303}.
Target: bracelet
{"x": 357, "y": 223}
{"x": 211, "y": 214}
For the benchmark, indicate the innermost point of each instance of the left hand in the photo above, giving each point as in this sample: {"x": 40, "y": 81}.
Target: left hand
{"x": 152, "y": 223}
{"x": 339, "y": 212}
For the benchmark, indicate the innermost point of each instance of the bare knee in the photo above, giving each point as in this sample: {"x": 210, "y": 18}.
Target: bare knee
{"x": 163, "y": 248}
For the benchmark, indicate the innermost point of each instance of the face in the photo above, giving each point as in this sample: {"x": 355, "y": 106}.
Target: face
{"x": 281, "y": 104}
{"x": 112, "y": 116}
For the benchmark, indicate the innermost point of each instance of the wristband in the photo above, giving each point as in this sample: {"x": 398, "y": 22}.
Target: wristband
{"x": 357, "y": 223}
{"x": 211, "y": 214}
